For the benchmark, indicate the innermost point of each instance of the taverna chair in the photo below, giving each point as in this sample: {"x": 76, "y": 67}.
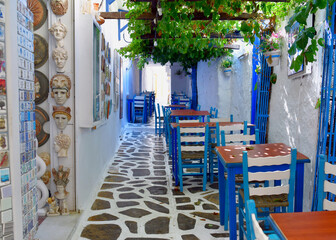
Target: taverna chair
{"x": 216, "y": 119}
{"x": 236, "y": 134}
{"x": 139, "y": 108}
{"x": 213, "y": 112}
{"x": 159, "y": 121}
{"x": 255, "y": 232}
{"x": 277, "y": 175}
{"x": 185, "y": 101}
{"x": 192, "y": 153}
{"x": 231, "y": 135}
{"x": 326, "y": 185}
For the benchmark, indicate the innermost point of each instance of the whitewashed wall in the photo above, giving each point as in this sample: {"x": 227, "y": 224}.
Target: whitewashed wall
{"x": 293, "y": 117}
{"x": 180, "y": 82}
{"x": 156, "y": 77}
{"x": 95, "y": 148}
{"x": 230, "y": 94}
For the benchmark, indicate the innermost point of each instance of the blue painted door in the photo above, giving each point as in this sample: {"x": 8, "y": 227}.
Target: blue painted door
{"x": 260, "y": 94}
{"x": 327, "y": 122}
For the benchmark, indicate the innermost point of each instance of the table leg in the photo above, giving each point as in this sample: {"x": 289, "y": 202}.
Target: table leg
{"x": 173, "y": 156}
{"x": 221, "y": 187}
{"x": 299, "y": 187}
{"x": 175, "y": 152}
{"x": 232, "y": 204}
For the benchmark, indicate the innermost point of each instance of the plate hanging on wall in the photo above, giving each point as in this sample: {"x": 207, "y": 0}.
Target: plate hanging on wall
{"x": 41, "y": 87}
{"x": 41, "y": 117}
{"x": 40, "y": 51}
{"x": 39, "y": 9}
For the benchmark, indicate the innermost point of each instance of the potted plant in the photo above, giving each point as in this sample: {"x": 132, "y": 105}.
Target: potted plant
{"x": 227, "y": 65}
{"x": 270, "y": 47}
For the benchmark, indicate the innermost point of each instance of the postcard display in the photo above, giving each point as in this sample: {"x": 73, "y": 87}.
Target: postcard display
{"x": 27, "y": 119}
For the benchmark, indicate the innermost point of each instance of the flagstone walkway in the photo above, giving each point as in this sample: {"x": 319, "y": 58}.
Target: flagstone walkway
{"x": 138, "y": 199}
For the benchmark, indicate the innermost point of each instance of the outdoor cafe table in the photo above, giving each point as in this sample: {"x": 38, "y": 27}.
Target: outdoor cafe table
{"x": 173, "y": 140}
{"x": 187, "y": 113}
{"x": 230, "y": 158}
{"x": 304, "y": 225}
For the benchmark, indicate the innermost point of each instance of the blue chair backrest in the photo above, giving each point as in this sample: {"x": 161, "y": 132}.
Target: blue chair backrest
{"x": 283, "y": 169}
{"x": 139, "y": 101}
{"x": 158, "y": 109}
{"x": 326, "y": 185}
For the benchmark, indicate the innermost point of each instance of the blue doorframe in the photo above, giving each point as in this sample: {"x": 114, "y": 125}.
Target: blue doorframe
{"x": 255, "y": 63}
{"x": 261, "y": 96}
{"x": 326, "y": 143}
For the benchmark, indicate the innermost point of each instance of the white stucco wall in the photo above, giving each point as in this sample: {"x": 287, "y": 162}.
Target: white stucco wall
{"x": 230, "y": 94}
{"x": 207, "y": 85}
{"x": 180, "y": 82}
{"x": 95, "y": 148}
{"x": 293, "y": 118}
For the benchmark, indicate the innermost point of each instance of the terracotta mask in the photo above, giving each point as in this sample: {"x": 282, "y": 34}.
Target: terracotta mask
{"x": 59, "y": 7}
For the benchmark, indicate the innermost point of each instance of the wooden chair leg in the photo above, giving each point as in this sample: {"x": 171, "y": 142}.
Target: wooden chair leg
{"x": 180, "y": 175}
{"x": 205, "y": 173}
{"x": 241, "y": 218}
{"x": 211, "y": 167}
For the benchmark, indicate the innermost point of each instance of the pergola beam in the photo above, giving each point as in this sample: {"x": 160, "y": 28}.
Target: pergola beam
{"x": 196, "y": 16}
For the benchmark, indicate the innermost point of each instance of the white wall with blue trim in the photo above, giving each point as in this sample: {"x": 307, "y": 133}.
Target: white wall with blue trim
{"x": 293, "y": 118}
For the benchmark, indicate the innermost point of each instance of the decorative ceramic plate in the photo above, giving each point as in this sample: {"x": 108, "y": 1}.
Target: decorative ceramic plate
{"x": 39, "y": 9}
{"x": 40, "y": 51}
{"x": 41, "y": 118}
{"x": 41, "y": 87}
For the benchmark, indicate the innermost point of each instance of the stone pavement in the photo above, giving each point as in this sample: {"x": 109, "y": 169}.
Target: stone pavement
{"x": 138, "y": 199}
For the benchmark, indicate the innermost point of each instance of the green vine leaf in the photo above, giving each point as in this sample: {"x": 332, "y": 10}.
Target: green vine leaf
{"x": 318, "y": 103}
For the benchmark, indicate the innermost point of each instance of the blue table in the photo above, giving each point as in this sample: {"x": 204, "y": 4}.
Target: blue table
{"x": 230, "y": 160}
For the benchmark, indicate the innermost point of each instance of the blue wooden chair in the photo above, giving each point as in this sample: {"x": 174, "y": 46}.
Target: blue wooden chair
{"x": 185, "y": 101}
{"x": 255, "y": 232}
{"x": 267, "y": 197}
{"x": 230, "y": 119}
{"x": 139, "y": 108}
{"x": 192, "y": 153}
{"x": 213, "y": 112}
{"x": 326, "y": 185}
{"x": 238, "y": 136}
{"x": 230, "y": 135}
{"x": 159, "y": 121}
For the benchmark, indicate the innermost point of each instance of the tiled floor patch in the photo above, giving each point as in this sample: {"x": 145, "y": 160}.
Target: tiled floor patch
{"x": 138, "y": 199}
